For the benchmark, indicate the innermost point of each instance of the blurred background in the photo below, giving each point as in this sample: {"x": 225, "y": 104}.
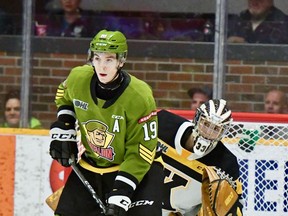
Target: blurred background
{"x": 173, "y": 46}
{"x": 236, "y": 50}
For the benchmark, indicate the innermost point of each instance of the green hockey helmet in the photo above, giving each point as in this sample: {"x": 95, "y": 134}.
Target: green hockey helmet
{"x": 110, "y": 41}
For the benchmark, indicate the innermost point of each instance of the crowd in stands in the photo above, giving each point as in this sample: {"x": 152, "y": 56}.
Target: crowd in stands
{"x": 70, "y": 20}
{"x": 261, "y": 22}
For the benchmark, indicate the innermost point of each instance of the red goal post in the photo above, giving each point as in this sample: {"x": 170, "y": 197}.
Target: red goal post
{"x": 260, "y": 141}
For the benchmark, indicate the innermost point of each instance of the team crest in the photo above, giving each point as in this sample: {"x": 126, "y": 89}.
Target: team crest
{"x": 99, "y": 139}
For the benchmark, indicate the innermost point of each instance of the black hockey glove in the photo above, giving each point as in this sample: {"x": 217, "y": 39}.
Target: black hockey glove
{"x": 114, "y": 210}
{"x": 118, "y": 201}
{"x": 63, "y": 144}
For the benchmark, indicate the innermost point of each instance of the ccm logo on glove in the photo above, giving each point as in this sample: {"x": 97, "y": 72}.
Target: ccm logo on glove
{"x": 63, "y": 142}
{"x": 121, "y": 201}
{"x": 67, "y": 137}
{"x": 63, "y": 135}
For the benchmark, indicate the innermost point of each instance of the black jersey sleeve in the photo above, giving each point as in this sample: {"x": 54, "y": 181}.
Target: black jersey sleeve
{"x": 223, "y": 158}
{"x": 172, "y": 127}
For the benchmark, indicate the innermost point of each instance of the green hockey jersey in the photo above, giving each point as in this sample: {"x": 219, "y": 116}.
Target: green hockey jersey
{"x": 119, "y": 131}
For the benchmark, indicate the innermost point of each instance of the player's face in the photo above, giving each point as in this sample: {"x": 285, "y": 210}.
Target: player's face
{"x": 258, "y": 8}
{"x": 209, "y": 130}
{"x": 106, "y": 66}
{"x": 12, "y": 112}
{"x": 197, "y": 100}
{"x": 274, "y": 102}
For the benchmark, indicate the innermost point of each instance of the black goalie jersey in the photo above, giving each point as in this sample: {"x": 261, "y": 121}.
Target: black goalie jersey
{"x": 183, "y": 169}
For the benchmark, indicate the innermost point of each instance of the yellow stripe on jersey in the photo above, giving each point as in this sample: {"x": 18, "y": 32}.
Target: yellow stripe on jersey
{"x": 159, "y": 160}
{"x": 192, "y": 164}
{"x": 146, "y": 154}
{"x": 98, "y": 170}
{"x": 59, "y": 93}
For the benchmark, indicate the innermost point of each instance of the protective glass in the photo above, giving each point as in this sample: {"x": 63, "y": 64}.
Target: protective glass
{"x": 209, "y": 130}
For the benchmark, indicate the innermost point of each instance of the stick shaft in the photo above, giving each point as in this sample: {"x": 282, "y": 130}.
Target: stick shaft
{"x": 88, "y": 186}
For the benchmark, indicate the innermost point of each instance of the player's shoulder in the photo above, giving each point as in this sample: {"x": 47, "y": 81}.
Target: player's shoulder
{"x": 163, "y": 113}
{"x": 169, "y": 119}
{"x": 139, "y": 85}
{"x": 140, "y": 91}
{"x": 86, "y": 68}
{"x": 224, "y": 151}
{"x": 223, "y": 158}
{"x": 81, "y": 72}
{"x": 219, "y": 156}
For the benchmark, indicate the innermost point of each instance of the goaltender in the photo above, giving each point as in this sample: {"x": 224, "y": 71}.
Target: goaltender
{"x": 201, "y": 174}
{"x": 117, "y": 117}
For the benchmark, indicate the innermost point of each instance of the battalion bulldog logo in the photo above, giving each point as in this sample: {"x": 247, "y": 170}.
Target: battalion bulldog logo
{"x": 99, "y": 139}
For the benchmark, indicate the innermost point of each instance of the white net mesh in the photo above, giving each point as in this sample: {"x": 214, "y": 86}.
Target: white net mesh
{"x": 261, "y": 145}
{"x": 262, "y": 150}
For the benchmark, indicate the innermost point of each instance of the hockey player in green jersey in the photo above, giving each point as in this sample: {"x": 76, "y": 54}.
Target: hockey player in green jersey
{"x": 117, "y": 118}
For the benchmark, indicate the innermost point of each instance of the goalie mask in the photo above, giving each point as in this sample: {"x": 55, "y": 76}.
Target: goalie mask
{"x": 212, "y": 119}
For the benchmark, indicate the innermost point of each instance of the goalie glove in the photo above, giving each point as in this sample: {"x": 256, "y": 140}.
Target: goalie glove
{"x": 219, "y": 196}
{"x": 63, "y": 144}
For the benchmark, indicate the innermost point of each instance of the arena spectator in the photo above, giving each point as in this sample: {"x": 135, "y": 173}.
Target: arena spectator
{"x": 275, "y": 102}
{"x": 12, "y": 108}
{"x": 71, "y": 21}
{"x": 199, "y": 96}
{"x": 262, "y": 22}
{"x": 153, "y": 27}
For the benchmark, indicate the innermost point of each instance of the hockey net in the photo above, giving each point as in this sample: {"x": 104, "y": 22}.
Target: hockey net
{"x": 260, "y": 142}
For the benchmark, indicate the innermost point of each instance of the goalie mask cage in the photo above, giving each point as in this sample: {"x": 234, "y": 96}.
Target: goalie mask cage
{"x": 260, "y": 142}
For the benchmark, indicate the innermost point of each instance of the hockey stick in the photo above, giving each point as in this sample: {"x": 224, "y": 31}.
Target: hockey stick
{"x": 87, "y": 185}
